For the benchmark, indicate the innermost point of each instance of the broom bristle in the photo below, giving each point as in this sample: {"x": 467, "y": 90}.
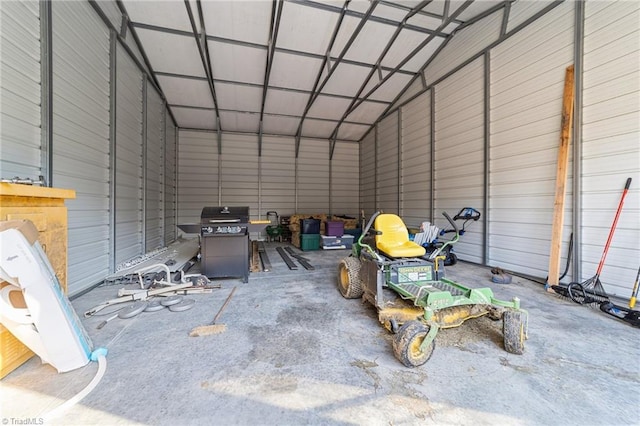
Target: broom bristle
{"x": 205, "y": 330}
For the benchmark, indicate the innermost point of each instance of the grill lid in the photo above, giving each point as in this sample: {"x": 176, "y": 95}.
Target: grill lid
{"x": 224, "y": 214}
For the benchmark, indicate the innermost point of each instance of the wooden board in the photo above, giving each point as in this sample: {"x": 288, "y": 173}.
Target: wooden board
{"x": 561, "y": 179}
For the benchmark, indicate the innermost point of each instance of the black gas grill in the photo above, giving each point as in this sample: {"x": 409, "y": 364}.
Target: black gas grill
{"x": 224, "y": 243}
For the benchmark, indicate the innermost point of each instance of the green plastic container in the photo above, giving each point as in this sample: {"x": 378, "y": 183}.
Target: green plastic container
{"x": 309, "y": 242}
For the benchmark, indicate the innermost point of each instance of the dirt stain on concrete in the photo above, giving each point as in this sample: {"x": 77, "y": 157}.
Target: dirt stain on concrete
{"x": 367, "y": 366}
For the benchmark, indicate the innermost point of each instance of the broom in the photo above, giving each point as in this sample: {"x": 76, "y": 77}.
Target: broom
{"x": 591, "y": 290}
{"x": 213, "y": 328}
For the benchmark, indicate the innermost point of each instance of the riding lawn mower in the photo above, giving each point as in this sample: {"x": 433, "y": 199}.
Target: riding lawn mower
{"x": 413, "y": 297}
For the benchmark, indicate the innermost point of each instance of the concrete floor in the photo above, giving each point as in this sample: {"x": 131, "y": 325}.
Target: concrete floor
{"x": 295, "y": 352}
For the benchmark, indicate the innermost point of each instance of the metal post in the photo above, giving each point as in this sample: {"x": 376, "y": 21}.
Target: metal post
{"x": 399, "y": 160}
{"x": 330, "y": 184}
{"x": 375, "y": 169}
{"x": 46, "y": 91}
{"x": 219, "y": 135}
{"x": 113, "y": 59}
{"x": 432, "y": 129}
{"x": 577, "y": 138}
{"x": 144, "y": 164}
{"x": 295, "y": 180}
{"x": 487, "y": 157}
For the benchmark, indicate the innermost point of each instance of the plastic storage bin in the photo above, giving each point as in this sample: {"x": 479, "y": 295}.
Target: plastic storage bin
{"x": 341, "y": 242}
{"x": 354, "y": 232}
{"x": 310, "y": 226}
{"x": 309, "y": 242}
{"x": 334, "y": 229}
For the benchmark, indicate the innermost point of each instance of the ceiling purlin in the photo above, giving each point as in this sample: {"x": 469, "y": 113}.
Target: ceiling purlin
{"x": 317, "y": 89}
{"x": 260, "y": 46}
{"x": 422, "y": 12}
{"x": 273, "y": 39}
{"x": 373, "y": 18}
{"x": 384, "y": 52}
{"x": 505, "y": 18}
{"x": 409, "y": 57}
{"x": 325, "y": 62}
{"x": 123, "y": 11}
{"x": 271, "y": 86}
{"x": 505, "y": 4}
{"x": 204, "y": 54}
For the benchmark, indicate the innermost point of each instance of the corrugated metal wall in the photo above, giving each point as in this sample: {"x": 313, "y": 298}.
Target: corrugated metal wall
{"x": 154, "y": 171}
{"x": 387, "y": 194}
{"x": 81, "y": 136}
{"x": 465, "y": 44}
{"x": 266, "y": 183}
{"x": 610, "y": 150}
{"x": 368, "y": 173}
{"x": 415, "y": 156}
{"x": 344, "y": 179}
{"x": 527, "y": 79}
{"x": 459, "y": 153}
{"x": 170, "y": 181}
{"x": 21, "y": 92}
{"x": 313, "y": 176}
{"x": 239, "y": 171}
{"x": 278, "y": 176}
{"x": 197, "y": 174}
{"x": 128, "y": 161}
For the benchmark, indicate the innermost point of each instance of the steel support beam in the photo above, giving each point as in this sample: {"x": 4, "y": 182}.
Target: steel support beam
{"x": 505, "y": 19}
{"x": 487, "y": 156}
{"x": 399, "y": 161}
{"x": 422, "y": 12}
{"x": 46, "y": 92}
{"x": 373, "y": 18}
{"x": 276, "y": 14}
{"x": 316, "y": 88}
{"x": 514, "y": 31}
{"x": 432, "y": 154}
{"x": 145, "y": 81}
{"x": 577, "y": 138}
{"x": 204, "y": 51}
{"x": 414, "y": 52}
{"x": 259, "y": 86}
{"x": 148, "y": 71}
{"x": 384, "y": 52}
{"x": 483, "y": 15}
{"x": 252, "y": 45}
{"x": 113, "y": 91}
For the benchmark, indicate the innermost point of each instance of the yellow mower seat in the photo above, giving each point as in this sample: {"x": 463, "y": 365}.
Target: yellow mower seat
{"x": 394, "y": 237}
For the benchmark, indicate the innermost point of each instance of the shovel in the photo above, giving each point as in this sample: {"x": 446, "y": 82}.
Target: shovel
{"x": 214, "y": 327}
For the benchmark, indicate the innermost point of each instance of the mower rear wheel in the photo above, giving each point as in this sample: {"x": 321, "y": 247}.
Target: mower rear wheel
{"x": 349, "y": 282}
{"x": 514, "y": 324}
{"x": 407, "y": 342}
{"x": 451, "y": 259}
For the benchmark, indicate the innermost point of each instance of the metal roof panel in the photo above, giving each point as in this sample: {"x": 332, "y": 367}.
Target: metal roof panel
{"x": 186, "y": 91}
{"x": 171, "y": 53}
{"x": 194, "y": 118}
{"x": 237, "y": 62}
{"x": 238, "y": 20}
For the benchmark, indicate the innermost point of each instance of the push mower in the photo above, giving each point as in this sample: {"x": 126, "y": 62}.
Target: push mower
{"x": 413, "y": 298}
{"x": 435, "y": 246}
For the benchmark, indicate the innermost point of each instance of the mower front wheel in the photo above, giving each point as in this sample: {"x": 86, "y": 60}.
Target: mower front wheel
{"x": 349, "y": 282}
{"x": 514, "y": 330}
{"x": 407, "y": 342}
